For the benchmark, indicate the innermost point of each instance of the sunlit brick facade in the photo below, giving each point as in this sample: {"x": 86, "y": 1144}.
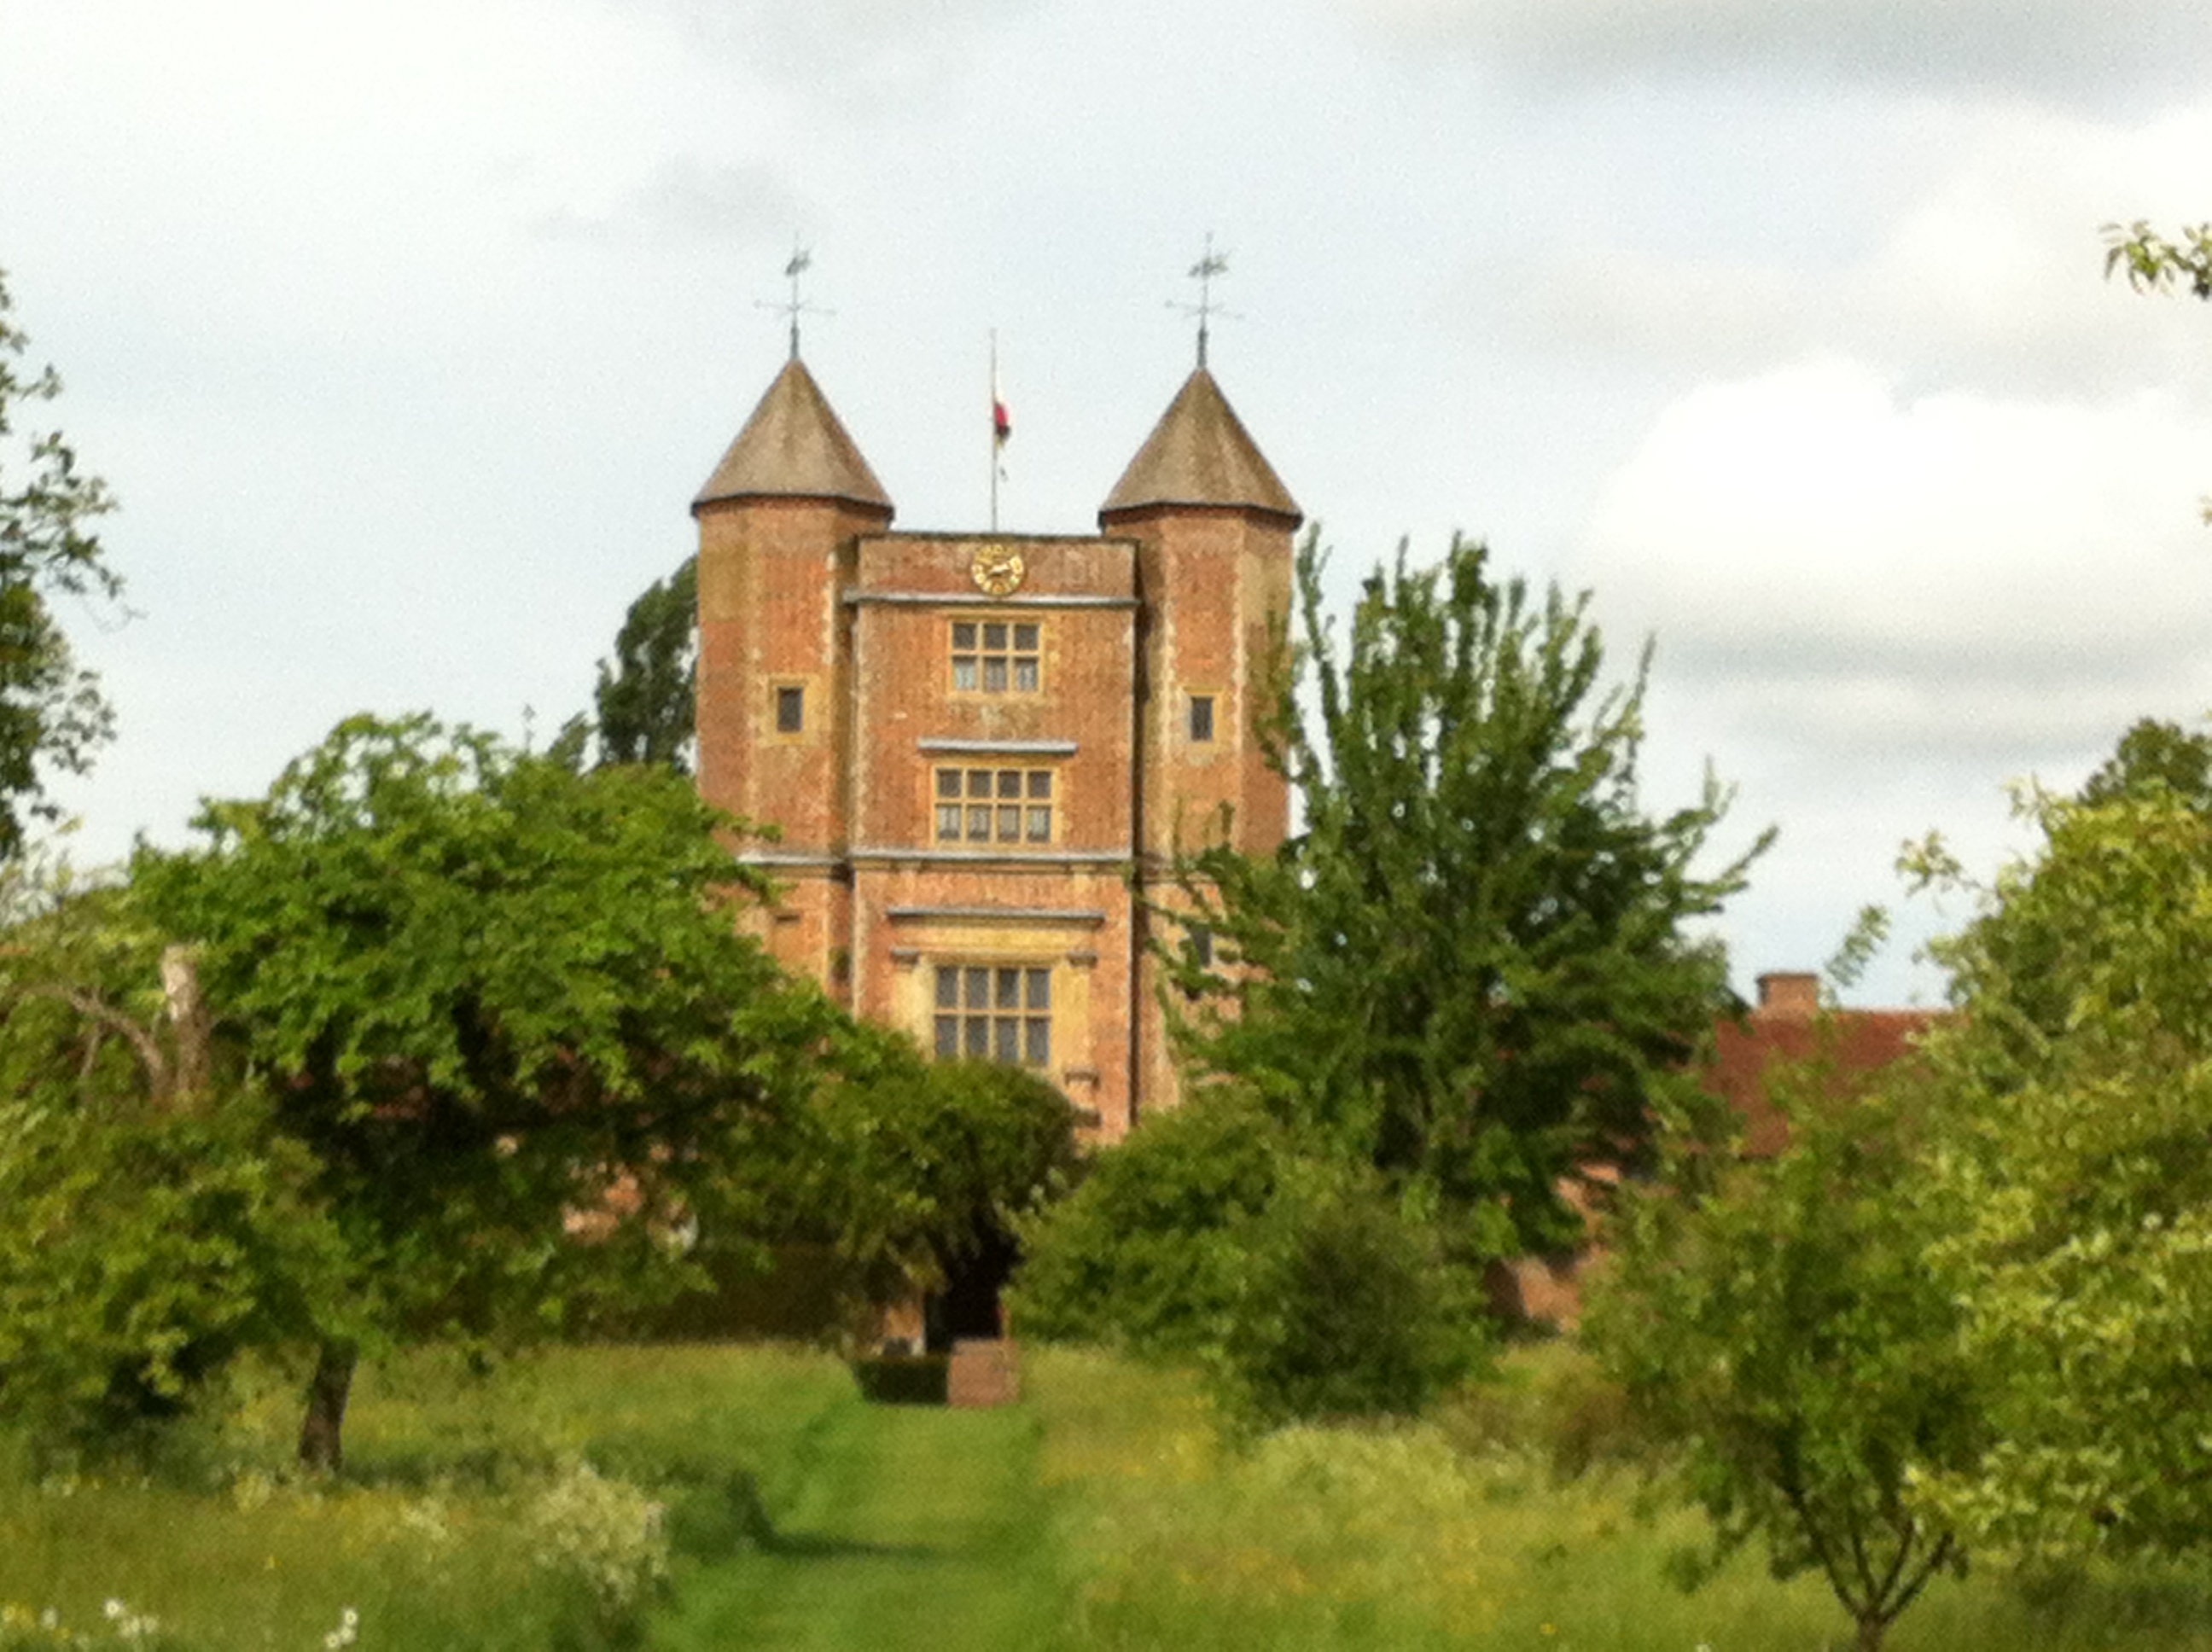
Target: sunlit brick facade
{"x": 980, "y": 749}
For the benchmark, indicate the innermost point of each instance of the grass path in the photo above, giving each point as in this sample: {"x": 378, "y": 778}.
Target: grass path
{"x": 911, "y": 1527}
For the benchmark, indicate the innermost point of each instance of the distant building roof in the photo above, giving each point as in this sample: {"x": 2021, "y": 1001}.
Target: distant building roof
{"x": 1200, "y": 453}
{"x": 1789, "y": 1025}
{"x": 795, "y": 446}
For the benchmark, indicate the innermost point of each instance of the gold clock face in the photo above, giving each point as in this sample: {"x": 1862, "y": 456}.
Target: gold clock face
{"x": 996, "y": 569}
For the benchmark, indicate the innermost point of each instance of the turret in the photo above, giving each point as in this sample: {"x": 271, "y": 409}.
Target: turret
{"x": 1213, "y": 525}
{"x": 777, "y": 522}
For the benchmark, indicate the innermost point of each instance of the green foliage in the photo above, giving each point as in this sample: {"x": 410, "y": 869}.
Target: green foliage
{"x": 1298, "y": 1279}
{"x": 51, "y": 714}
{"x": 647, "y": 700}
{"x": 1148, "y": 1251}
{"x": 1785, "y": 1332}
{"x": 2079, "y": 1169}
{"x": 2155, "y": 752}
{"x": 141, "y": 1254}
{"x": 605, "y": 1542}
{"x": 910, "y": 1167}
{"x": 2153, "y": 263}
{"x": 151, "y": 1236}
{"x": 1346, "y": 1308}
{"x": 483, "y": 991}
{"x": 1470, "y": 970}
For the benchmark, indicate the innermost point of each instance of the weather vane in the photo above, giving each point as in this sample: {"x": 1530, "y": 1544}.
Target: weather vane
{"x": 1203, "y": 272}
{"x": 802, "y": 260}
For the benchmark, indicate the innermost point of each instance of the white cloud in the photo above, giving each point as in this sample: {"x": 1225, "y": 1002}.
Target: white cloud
{"x": 894, "y": 52}
{"x": 2068, "y": 51}
{"x": 1834, "y": 565}
{"x": 1989, "y": 273}
{"x": 689, "y": 199}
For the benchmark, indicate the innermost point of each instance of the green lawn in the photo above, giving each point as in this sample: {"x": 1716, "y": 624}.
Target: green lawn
{"x": 1103, "y": 1512}
{"x": 921, "y": 1528}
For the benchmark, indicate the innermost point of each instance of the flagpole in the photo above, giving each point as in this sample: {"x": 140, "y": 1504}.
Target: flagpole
{"x": 994, "y": 429}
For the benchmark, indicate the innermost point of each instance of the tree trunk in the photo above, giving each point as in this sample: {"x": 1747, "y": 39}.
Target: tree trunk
{"x": 188, "y": 1014}
{"x": 321, "y": 1440}
{"x": 1872, "y": 1628}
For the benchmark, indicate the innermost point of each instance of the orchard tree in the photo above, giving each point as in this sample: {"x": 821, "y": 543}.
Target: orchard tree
{"x": 1472, "y": 968}
{"x": 51, "y": 714}
{"x": 1777, "y": 1327}
{"x": 155, "y": 1228}
{"x": 911, "y": 1168}
{"x": 2078, "y": 1167}
{"x": 645, "y": 700}
{"x": 482, "y": 991}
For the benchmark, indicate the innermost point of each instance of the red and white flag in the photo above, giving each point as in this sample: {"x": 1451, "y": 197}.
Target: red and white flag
{"x": 1002, "y": 423}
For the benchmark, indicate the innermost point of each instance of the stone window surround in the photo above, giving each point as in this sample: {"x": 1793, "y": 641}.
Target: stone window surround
{"x": 998, "y": 1010}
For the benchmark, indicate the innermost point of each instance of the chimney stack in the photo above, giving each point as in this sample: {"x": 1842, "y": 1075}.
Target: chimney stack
{"x": 1789, "y": 993}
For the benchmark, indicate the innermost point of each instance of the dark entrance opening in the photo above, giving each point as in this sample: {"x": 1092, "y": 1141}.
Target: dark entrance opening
{"x": 969, "y": 1304}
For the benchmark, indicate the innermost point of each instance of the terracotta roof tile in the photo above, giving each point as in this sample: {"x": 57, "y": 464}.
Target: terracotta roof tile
{"x": 1852, "y": 1042}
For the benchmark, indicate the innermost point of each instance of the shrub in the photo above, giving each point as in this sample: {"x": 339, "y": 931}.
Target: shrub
{"x": 1146, "y": 1253}
{"x": 605, "y": 1540}
{"x": 1347, "y": 1308}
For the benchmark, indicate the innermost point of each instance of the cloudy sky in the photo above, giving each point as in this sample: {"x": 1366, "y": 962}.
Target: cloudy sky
{"x": 406, "y": 330}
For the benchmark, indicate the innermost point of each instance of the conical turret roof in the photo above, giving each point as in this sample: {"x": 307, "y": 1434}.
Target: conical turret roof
{"x": 795, "y": 445}
{"x": 1200, "y": 453}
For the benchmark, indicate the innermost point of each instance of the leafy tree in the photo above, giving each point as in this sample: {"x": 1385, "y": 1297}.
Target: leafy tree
{"x": 911, "y": 1167}
{"x": 2079, "y": 1169}
{"x": 482, "y": 991}
{"x": 51, "y": 714}
{"x": 1782, "y": 1333}
{"x": 2156, "y": 752}
{"x": 647, "y": 699}
{"x": 142, "y": 1251}
{"x": 152, "y": 1232}
{"x": 1470, "y": 970}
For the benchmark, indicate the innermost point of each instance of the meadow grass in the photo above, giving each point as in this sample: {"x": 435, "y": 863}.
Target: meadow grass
{"x": 428, "y": 1538}
{"x": 1108, "y": 1511}
{"x": 1461, "y": 1531}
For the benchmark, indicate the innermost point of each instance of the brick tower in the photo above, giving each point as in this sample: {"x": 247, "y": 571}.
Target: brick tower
{"x": 1212, "y": 525}
{"x": 980, "y": 749}
{"x": 778, "y": 519}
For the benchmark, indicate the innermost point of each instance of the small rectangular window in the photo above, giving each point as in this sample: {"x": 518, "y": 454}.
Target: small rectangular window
{"x": 996, "y": 657}
{"x": 1201, "y": 718}
{"x": 993, "y": 805}
{"x": 790, "y": 710}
